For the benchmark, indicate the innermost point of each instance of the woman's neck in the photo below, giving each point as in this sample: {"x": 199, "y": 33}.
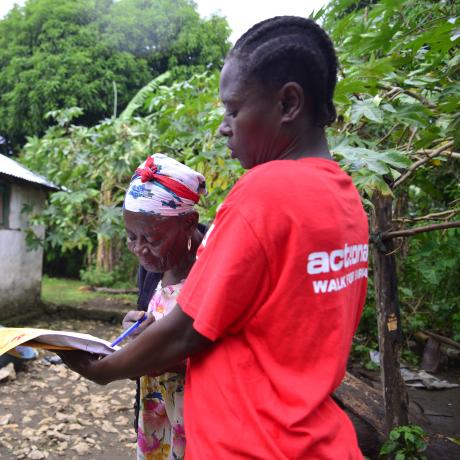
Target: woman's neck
{"x": 311, "y": 143}
{"x": 180, "y": 271}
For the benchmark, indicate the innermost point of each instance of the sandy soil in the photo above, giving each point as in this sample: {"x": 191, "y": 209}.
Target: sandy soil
{"x": 53, "y": 413}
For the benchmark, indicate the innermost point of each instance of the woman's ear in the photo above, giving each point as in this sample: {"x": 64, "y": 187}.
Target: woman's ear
{"x": 292, "y": 101}
{"x": 191, "y": 221}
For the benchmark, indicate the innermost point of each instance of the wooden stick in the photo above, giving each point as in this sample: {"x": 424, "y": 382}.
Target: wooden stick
{"x": 432, "y": 216}
{"x": 395, "y": 90}
{"x": 387, "y": 135}
{"x": 445, "y": 340}
{"x": 416, "y": 230}
{"x": 421, "y": 162}
{"x": 411, "y": 138}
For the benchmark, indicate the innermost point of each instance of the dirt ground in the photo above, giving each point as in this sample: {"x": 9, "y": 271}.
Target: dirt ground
{"x": 109, "y": 304}
{"x": 53, "y": 413}
{"x": 49, "y": 412}
{"x": 436, "y": 411}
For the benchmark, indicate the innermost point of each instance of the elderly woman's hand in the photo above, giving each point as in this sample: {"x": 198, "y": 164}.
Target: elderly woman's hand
{"x": 134, "y": 315}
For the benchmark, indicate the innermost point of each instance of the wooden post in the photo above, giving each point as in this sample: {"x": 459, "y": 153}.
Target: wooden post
{"x": 389, "y": 324}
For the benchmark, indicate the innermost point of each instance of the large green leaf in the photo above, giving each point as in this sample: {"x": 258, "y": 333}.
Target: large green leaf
{"x": 139, "y": 99}
{"x": 367, "y": 109}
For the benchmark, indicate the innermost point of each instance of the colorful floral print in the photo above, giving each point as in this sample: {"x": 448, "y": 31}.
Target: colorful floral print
{"x": 161, "y": 434}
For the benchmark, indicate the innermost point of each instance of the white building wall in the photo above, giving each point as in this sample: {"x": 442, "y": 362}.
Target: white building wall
{"x": 20, "y": 268}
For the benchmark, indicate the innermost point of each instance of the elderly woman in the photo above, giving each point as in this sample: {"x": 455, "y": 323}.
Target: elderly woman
{"x": 162, "y": 231}
{"x": 268, "y": 311}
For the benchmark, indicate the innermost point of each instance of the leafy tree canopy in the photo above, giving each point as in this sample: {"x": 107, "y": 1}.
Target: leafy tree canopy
{"x": 95, "y": 54}
{"x": 397, "y": 135}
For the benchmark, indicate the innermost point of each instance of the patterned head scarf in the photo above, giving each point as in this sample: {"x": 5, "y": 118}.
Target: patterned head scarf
{"x": 162, "y": 186}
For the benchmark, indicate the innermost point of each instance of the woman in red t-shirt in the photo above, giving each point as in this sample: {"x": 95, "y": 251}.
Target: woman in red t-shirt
{"x": 268, "y": 311}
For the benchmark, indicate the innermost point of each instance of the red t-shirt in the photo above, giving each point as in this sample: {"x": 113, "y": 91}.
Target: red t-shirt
{"x": 279, "y": 286}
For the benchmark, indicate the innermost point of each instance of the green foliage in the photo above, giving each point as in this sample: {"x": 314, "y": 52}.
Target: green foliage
{"x": 187, "y": 130}
{"x": 361, "y": 350}
{"x": 429, "y": 288}
{"x": 72, "y": 292}
{"x": 398, "y": 99}
{"x": 406, "y": 443}
{"x": 95, "y": 164}
{"x": 398, "y": 88}
{"x": 168, "y": 34}
{"x": 56, "y": 55}
{"x": 94, "y": 276}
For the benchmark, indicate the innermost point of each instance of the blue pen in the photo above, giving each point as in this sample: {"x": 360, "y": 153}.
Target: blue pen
{"x": 128, "y": 331}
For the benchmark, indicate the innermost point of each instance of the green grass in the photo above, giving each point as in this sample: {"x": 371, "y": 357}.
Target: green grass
{"x": 63, "y": 291}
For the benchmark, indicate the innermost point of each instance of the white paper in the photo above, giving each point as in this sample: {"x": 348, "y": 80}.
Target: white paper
{"x": 77, "y": 340}
{"x": 13, "y": 337}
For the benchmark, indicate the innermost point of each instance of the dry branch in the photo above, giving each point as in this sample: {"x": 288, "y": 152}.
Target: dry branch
{"x": 411, "y": 138}
{"x": 445, "y": 340}
{"x": 451, "y": 155}
{"x": 434, "y": 153}
{"x": 419, "y": 98}
{"x": 443, "y": 215}
{"x": 416, "y": 230}
{"x": 387, "y": 135}
{"x": 395, "y": 90}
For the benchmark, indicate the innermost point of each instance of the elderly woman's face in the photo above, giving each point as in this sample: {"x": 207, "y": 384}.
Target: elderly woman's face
{"x": 158, "y": 242}
{"x": 252, "y": 118}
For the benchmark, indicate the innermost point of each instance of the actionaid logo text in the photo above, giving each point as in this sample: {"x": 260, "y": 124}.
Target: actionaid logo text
{"x": 337, "y": 261}
{"x": 326, "y": 262}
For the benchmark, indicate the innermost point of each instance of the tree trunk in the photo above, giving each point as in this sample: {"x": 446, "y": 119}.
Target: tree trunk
{"x": 389, "y": 324}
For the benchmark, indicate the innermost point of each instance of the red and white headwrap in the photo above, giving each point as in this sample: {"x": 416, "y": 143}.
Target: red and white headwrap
{"x": 164, "y": 187}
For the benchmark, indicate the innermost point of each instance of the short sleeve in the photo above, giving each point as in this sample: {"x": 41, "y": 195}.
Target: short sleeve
{"x": 230, "y": 280}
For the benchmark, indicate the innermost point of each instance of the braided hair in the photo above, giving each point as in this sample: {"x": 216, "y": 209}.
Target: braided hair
{"x": 291, "y": 48}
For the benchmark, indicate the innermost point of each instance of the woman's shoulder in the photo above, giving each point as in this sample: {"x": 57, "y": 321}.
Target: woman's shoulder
{"x": 256, "y": 187}
{"x": 278, "y": 173}
{"x": 280, "y": 181}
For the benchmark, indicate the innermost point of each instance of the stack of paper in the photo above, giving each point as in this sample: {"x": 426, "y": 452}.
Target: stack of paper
{"x": 11, "y": 337}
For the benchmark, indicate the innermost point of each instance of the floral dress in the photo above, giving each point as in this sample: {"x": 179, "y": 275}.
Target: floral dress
{"x": 161, "y": 433}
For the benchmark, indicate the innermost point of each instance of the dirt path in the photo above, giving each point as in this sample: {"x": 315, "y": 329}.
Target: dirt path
{"x": 53, "y": 413}
{"x": 49, "y": 412}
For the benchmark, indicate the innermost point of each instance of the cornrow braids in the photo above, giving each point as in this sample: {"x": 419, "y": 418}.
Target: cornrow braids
{"x": 291, "y": 48}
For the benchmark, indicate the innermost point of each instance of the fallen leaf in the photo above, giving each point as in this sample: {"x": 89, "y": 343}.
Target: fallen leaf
{"x": 81, "y": 448}
{"x": 108, "y": 427}
{"x": 38, "y": 384}
{"x": 51, "y": 399}
{"x": 6, "y": 444}
{"x": 63, "y": 445}
{"x": 5, "y": 419}
{"x": 46, "y": 420}
{"x": 66, "y": 417}
{"x": 28, "y": 433}
{"x": 8, "y": 373}
{"x": 121, "y": 420}
{"x": 74, "y": 426}
{"x": 37, "y": 455}
{"x": 53, "y": 434}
